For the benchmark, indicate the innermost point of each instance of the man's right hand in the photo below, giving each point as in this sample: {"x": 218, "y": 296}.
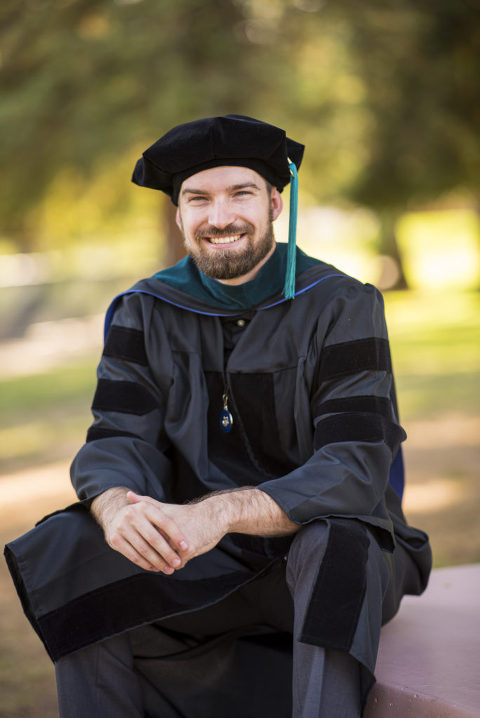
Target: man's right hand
{"x": 142, "y": 532}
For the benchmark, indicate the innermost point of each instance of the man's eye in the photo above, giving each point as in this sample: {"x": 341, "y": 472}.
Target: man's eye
{"x": 243, "y": 193}
{"x": 197, "y": 199}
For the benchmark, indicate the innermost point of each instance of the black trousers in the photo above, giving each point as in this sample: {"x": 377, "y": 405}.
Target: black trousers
{"x": 261, "y": 651}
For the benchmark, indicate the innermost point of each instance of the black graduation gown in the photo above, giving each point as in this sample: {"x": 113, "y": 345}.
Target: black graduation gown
{"x": 315, "y": 427}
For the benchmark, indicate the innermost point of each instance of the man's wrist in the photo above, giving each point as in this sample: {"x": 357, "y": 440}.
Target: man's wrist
{"x": 108, "y": 503}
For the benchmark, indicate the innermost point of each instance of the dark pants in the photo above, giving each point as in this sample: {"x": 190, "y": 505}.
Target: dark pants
{"x": 235, "y": 658}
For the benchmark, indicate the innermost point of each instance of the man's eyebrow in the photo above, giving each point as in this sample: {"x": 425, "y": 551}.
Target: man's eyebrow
{"x": 244, "y": 185}
{"x": 191, "y": 190}
{"x": 232, "y": 188}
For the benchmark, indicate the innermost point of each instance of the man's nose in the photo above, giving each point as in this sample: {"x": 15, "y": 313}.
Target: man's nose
{"x": 221, "y": 214}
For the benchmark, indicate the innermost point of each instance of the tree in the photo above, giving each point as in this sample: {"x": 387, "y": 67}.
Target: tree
{"x": 420, "y": 64}
{"x": 86, "y": 81}
{"x": 383, "y": 93}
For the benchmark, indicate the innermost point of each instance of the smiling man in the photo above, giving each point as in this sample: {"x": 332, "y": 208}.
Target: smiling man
{"x": 242, "y": 469}
{"x": 225, "y": 215}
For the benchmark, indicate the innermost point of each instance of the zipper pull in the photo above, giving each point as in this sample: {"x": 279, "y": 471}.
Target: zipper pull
{"x": 226, "y": 419}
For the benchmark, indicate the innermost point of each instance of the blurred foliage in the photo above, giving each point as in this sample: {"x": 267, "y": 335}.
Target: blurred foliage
{"x": 385, "y": 95}
{"x": 83, "y": 82}
{"x": 420, "y": 63}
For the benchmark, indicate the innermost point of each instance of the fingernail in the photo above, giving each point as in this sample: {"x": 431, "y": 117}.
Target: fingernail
{"x": 183, "y": 545}
{"x": 176, "y": 562}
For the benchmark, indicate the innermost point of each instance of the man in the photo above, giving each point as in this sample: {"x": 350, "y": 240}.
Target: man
{"x": 239, "y": 466}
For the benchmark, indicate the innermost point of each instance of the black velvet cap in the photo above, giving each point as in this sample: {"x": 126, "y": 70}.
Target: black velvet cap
{"x": 214, "y": 142}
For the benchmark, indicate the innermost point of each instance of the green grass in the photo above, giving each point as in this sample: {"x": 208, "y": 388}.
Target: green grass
{"x": 435, "y": 342}
{"x": 44, "y": 417}
{"x": 42, "y": 391}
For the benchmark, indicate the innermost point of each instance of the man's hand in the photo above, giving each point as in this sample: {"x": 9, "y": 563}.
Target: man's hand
{"x": 140, "y": 530}
{"x": 162, "y": 537}
{"x": 154, "y": 535}
{"x": 200, "y": 527}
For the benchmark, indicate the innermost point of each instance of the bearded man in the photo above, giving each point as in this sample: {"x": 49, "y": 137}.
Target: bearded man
{"x": 242, "y": 469}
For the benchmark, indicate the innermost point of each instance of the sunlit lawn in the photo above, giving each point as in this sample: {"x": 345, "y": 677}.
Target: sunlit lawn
{"x": 43, "y": 417}
{"x": 435, "y": 341}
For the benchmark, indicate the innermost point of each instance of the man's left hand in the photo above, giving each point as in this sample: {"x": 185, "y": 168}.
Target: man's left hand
{"x": 198, "y": 523}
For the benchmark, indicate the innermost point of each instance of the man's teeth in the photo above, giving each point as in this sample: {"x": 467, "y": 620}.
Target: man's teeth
{"x": 225, "y": 240}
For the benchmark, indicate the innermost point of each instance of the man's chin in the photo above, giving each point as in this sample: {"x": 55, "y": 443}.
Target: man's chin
{"x": 230, "y": 261}
{"x": 222, "y": 273}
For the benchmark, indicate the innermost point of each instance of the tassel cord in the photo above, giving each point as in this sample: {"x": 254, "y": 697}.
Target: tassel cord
{"x": 289, "y": 288}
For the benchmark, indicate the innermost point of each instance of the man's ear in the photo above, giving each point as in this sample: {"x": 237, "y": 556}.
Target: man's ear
{"x": 276, "y": 203}
{"x": 178, "y": 219}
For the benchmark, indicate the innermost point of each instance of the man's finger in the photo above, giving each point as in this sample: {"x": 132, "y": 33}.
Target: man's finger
{"x": 120, "y": 544}
{"x": 168, "y": 527}
{"x": 143, "y": 534}
{"x": 165, "y": 523}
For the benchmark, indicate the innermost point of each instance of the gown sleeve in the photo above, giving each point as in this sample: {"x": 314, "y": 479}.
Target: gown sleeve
{"x": 126, "y": 444}
{"x": 356, "y": 434}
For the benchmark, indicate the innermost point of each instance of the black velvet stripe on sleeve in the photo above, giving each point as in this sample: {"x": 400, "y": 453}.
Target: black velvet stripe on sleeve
{"x": 358, "y": 427}
{"x": 125, "y": 604}
{"x": 95, "y": 433}
{"x": 351, "y": 357}
{"x": 126, "y": 343}
{"x": 126, "y": 397}
{"x": 372, "y": 404}
{"x": 339, "y": 590}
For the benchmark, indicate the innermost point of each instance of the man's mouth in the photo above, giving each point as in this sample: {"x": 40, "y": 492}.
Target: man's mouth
{"x": 228, "y": 239}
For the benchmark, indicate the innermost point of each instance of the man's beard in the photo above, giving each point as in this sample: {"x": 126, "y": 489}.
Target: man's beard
{"x": 230, "y": 263}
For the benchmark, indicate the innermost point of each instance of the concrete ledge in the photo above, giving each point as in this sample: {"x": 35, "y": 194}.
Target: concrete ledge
{"x": 429, "y": 658}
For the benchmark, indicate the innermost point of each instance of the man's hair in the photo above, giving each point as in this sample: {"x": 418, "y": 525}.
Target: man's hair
{"x": 269, "y": 186}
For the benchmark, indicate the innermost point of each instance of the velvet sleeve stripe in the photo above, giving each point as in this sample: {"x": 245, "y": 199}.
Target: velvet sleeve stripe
{"x": 126, "y": 397}
{"x": 351, "y": 357}
{"x": 340, "y": 587}
{"x": 368, "y": 404}
{"x": 126, "y": 343}
{"x": 95, "y": 433}
{"x": 369, "y": 428}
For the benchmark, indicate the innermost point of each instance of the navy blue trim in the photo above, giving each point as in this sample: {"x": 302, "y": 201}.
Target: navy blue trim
{"x": 397, "y": 474}
{"x": 302, "y": 291}
{"x": 111, "y": 308}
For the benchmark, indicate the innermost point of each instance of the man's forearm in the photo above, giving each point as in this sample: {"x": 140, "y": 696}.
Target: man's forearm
{"x": 251, "y": 511}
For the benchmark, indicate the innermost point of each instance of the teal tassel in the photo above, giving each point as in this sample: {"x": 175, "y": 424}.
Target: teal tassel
{"x": 289, "y": 289}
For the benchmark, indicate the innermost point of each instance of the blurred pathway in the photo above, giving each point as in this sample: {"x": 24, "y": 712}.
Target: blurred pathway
{"x": 50, "y": 344}
{"x": 25, "y": 496}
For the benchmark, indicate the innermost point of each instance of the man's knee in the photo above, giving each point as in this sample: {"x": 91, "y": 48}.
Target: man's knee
{"x": 333, "y": 542}
{"x": 307, "y": 548}
{"x": 330, "y": 567}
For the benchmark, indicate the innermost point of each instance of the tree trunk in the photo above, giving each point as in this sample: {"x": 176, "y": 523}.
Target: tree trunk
{"x": 392, "y": 275}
